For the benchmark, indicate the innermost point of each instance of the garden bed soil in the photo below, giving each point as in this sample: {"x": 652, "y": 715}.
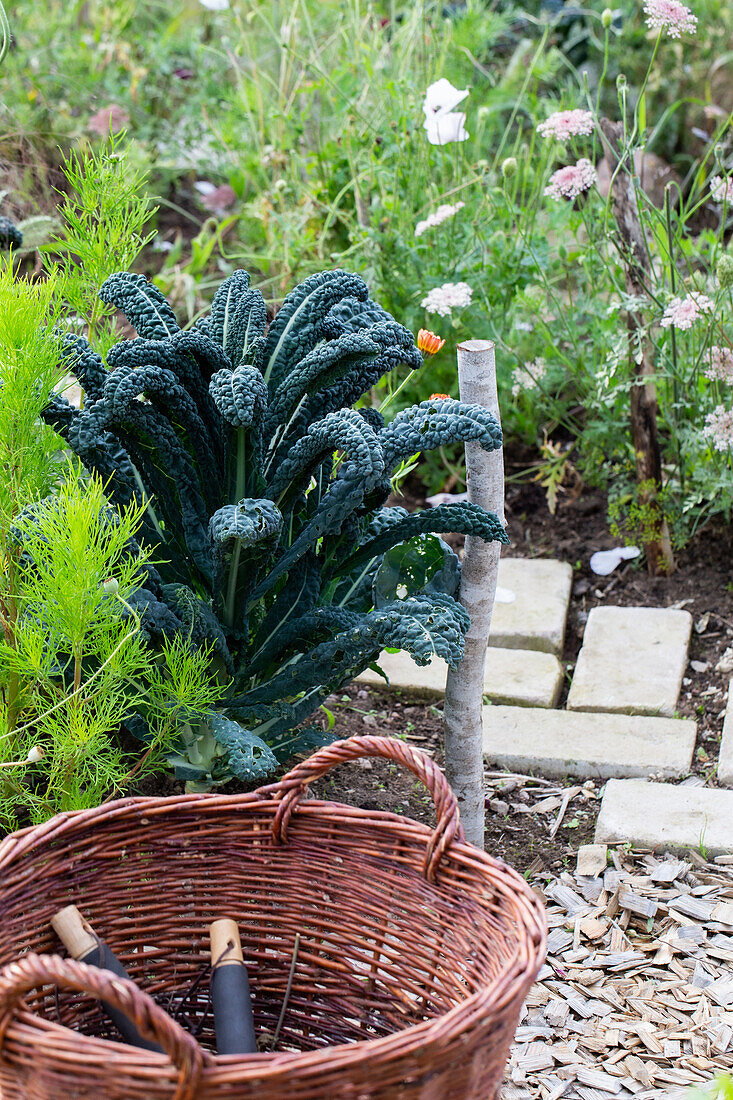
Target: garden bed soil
{"x": 702, "y": 584}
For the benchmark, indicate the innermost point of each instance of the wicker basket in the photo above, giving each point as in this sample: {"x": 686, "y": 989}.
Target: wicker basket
{"x": 415, "y": 950}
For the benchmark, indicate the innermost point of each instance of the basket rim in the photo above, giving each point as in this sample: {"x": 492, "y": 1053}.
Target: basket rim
{"x": 516, "y": 975}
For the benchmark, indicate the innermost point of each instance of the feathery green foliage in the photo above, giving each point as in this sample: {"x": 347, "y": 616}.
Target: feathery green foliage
{"x": 103, "y": 216}
{"x": 263, "y": 491}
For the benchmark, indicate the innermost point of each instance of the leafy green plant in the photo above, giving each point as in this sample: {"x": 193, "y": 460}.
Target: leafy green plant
{"x": 73, "y": 660}
{"x": 263, "y": 490}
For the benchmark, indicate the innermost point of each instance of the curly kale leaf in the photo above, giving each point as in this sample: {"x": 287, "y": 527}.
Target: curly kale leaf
{"x": 352, "y": 315}
{"x": 238, "y": 319}
{"x": 239, "y": 395}
{"x": 424, "y": 627}
{"x": 435, "y": 423}
{"x": 198, "y": 620}
{"x": 247, "y": 756}
{"x": 396, "y": 347}
{"x": 325, "y": 364}
{"x": 462, "y": 518}
{"x": 295, "y": 330}
{"x": 235, "y": 530}
{"x": 142, "y": 303}
{"x": 10, "y": 235}
{"x": 86, "y": 366}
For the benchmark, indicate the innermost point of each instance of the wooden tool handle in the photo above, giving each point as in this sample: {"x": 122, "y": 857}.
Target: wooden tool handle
{"x": 226, "y": 946}
{"x": 75, "y": 933}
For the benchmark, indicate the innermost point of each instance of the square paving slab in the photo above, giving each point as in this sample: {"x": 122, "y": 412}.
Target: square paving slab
{"x": 648, "y": 815}
{"x": 557, "y": 742}
{"x": 535, "y": 617}
{"x": 632, "y": 660}
{"x": 522, "y": 678}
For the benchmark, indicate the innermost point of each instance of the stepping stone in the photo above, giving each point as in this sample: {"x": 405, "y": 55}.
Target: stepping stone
{"x": 535, "y": 619}
{"x": 557, "y": 742}
{"x": 522, "y": 678}
{"x": 632, "y": 660}
{"x": 650, "y": 815}
{"x": 725, "y": 759}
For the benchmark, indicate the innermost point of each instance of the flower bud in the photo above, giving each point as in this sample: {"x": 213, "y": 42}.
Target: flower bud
{"x": 621, "y": 82}
{"x": 508, "y": 167}
{"x": 111, "y": 586}
{"x": 35, "y": 754}
{"x": 724, "y": 271}
{"x": 606, "y": 17}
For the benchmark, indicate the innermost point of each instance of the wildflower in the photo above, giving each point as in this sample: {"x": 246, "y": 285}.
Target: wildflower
{"x": 670, "y": 16}
{"x": 721, "y": 190}
{"x": 428, "y": 342}
{"x": 571, "y": 181}
{"x": 215, "y": 5}
{"x": 528, "y": 376}
{"x": 449, "y": 296}
{"x": 721, "y": 365}
{"x": 724, "y": 271}
{"x": 445, "y": 498}
{"x": 719, "y": 428}
{"x": 566, "y": 124}
{"x": 606, "y": 17}
{"x": 35, "y": 754}
{"x": 444, "y": 211}
{"x": 439, "y": 396}
{"x": 443, "y": 123}
{"x": 683, "y": 312}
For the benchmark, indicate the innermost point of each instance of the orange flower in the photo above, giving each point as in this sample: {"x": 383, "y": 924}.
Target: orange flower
{"x": 428, "y": 342}
{"x": 439, "y": 396}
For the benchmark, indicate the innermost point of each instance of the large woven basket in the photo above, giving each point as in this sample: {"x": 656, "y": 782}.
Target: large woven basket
{"x": 415, "y": 950}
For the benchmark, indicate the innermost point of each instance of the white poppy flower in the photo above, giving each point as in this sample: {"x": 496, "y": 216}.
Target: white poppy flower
{"x": 215, "y": 5}
{"x": 442, "y": 97}
{"x": 443, "y": 123}
{"x": 443, "y": 129}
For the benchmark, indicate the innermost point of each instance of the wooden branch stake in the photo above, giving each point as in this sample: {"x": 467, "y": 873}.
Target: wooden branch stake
{"x": 465, "y": 685}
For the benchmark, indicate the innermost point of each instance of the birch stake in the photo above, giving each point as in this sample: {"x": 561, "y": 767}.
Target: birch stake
{"x": 465, "y": 685}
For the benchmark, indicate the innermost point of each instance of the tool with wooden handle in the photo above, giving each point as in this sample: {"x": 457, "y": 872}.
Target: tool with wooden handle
{"x": 230, "y": 994}
{"x": 80, "y": 940}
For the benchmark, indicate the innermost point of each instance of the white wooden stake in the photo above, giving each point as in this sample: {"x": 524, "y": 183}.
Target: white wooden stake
{"x": 465, "y": 685}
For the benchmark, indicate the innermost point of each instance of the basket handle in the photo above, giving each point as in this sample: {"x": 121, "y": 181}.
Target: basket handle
{"x": 292, "y": 786}
{"x": 32, "y": 971}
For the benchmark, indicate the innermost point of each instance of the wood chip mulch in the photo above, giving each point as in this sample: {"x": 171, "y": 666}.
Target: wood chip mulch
{"x": 636, "y": 996}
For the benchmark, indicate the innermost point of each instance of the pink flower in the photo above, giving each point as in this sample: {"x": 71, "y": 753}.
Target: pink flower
{"x": 721, "y": 365}
{"x": 719, "y": 428}
{"x": 566, "y": 124}
{"x": 571, "y": 181}
{"x": 683, "y": 312}
{"x": 721, "y": 189}
{"x": 670, "y": 16}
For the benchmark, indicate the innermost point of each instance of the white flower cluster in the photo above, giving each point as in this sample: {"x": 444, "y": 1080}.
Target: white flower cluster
{"x": 444, "y": 211}
{"x": 443, "y": 299}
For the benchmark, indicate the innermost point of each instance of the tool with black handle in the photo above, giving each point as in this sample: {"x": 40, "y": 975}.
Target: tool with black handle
{"x": 230, "y": 994}
{"x": 82, "y": 943}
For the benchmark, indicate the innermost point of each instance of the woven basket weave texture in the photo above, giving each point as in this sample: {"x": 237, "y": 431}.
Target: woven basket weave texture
{"x": 415, "y": 950}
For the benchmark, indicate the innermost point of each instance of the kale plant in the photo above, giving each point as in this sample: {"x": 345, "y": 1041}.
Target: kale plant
{"x": 264, "y": 493}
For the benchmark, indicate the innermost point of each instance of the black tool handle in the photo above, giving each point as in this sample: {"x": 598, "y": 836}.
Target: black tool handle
{"x": 103, "y": 957}
{"x": 232, "y": 1004}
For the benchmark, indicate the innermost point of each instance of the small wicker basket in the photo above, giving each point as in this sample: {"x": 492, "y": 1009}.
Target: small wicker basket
{"x": 414, "y": 949}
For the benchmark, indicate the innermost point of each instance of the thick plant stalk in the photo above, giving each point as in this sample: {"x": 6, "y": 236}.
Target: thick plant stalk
{"x": 643, "y": 398}
{"x": 465, "y": 685}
